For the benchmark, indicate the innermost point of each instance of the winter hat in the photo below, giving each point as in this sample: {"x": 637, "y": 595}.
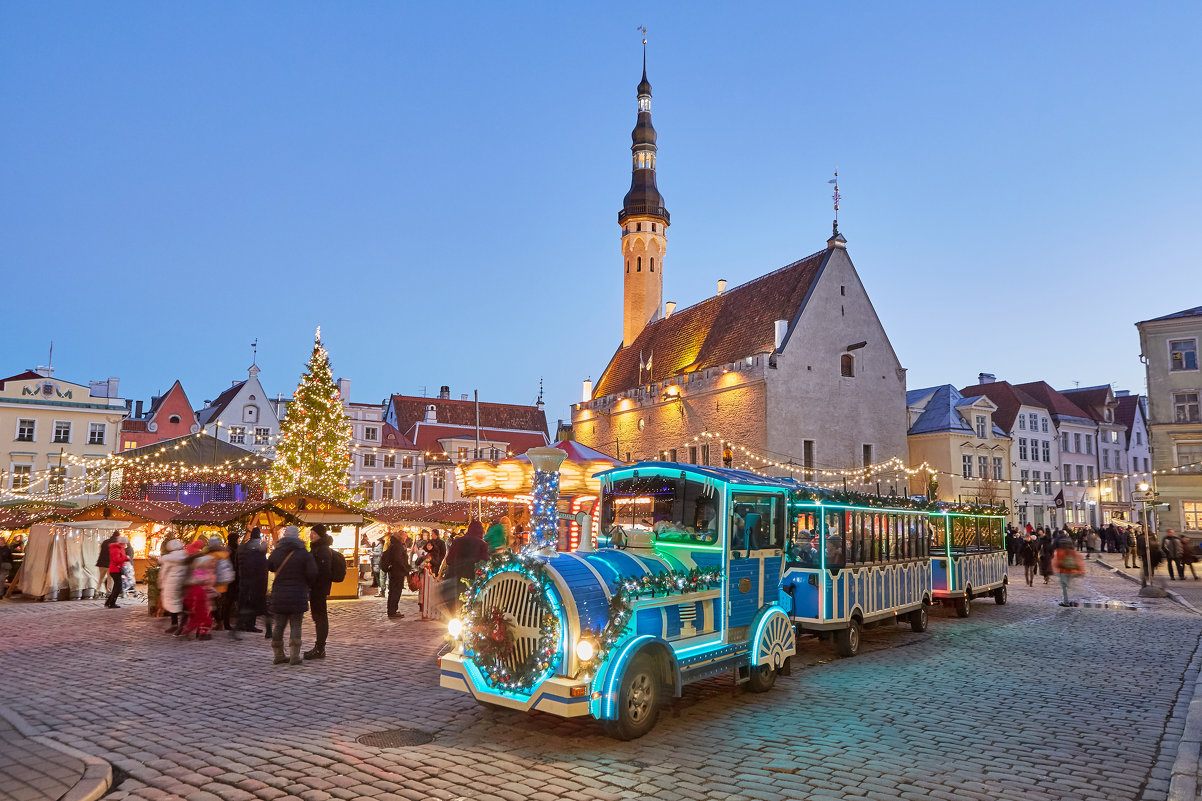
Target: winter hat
{"x": 124, "y": 540}
{"x": 195, "y": 547}
{"x": 216, "y": 542}
{"x": 172, "y": 545}
{"x": 292, "y": 531}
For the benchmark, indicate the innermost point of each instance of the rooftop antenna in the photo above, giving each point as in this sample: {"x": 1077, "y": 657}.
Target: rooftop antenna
{"x": 836, "y": 197}
{"x": 540, "y": 389}
{"x": 50, "y": 361}
{"x": 254, "y": 351}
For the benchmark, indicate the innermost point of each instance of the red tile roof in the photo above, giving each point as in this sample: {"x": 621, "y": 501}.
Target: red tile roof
{"x": 409, "y": 410}
{"x": 427, "y": 435}
{"x": 1052, "y": 400}
{"x": 215, "y": 408}
{"x": 1129, "y": 406}
{"x": 718, "y": 330}
{"x": 1090, "y": 399}
{"x": 456, "y": 512}
{"x": 390, "y": 437}
{"x": 1007, "y": 397}
{"x": 28, "y": 375}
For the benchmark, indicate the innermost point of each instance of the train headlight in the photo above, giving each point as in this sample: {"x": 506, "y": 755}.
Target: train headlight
{"x": 455, "y": 627}
{"x": 586, "y": 649}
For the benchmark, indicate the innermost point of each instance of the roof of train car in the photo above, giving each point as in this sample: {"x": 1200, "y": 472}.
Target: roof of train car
{"x": 721, "y": 473}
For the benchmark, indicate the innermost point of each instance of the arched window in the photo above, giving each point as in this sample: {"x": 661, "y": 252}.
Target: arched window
{"x": 173, "y": 419}
{"x": 639, "y": 267}
{"x": 652, "y": 264}
{"x": 847, "y": 365}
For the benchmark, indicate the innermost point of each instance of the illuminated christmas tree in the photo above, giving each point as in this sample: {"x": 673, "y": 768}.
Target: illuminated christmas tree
{"x": 313, "y": 454}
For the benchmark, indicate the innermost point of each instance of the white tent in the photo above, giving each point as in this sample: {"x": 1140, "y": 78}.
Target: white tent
{"x": 60, "y": 559}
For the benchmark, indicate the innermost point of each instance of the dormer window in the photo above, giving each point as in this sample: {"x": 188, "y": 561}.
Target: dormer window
{"x": 173, "y": 419}
{"x": 980, "y": 426}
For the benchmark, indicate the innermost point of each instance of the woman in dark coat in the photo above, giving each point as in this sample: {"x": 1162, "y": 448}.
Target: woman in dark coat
{"x": 465, "y": 553}
{"x": 252, "y": 582}
{"x": 1028, "y": 555}
{"x": 1046, "y": 551}
{"x": 295, "y": 572}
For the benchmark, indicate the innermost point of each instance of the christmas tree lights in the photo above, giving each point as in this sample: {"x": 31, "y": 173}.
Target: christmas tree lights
{"x": 313, "y": 454}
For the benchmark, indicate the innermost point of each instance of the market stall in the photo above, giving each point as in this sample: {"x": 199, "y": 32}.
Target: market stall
{"x": 147, "y": 524}
{"x": 511, "y": 481}
{"x": 344, "y": 523}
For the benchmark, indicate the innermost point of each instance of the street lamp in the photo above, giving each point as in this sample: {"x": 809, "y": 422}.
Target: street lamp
{"x": 1147, "y": 589}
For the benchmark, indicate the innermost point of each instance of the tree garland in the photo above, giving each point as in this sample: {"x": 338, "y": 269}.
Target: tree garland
{"x": 630, "y": 589}
{"x": 849, "y": 498}
{"x": 488, "y": 635}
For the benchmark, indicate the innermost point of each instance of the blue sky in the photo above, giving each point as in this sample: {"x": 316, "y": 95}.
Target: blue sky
{"x": 437, "y": 186}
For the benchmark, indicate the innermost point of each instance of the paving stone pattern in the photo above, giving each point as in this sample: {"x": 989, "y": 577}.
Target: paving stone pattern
{"x": 1024, "y": 701}
{"x": 30, "y": 771}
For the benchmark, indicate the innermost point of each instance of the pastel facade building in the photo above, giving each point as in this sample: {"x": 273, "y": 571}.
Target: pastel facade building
{"x": 167, "y": 417}
{"x": 1078, "y": 469}
{"x": 243, "y": 415}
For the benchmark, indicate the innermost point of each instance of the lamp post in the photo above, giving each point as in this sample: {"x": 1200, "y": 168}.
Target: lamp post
{"x": 1147, "y": 588}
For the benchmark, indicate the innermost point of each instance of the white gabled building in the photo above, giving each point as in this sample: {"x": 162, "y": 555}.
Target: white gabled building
{"x": 385, "y": 465}
{"x": 243, "y": 415}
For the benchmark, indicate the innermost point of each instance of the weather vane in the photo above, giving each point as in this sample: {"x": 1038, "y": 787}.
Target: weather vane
{"x": 643, "y": 28}
{"x": 835, "y": 196}
{"x": 254, "y": 351}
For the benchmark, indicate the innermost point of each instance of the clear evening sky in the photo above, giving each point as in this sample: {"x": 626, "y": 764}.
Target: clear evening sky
{"x": 437, "y": 185}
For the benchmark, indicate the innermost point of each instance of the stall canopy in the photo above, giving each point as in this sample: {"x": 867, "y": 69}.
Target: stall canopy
{"x": 135, "y": 512}
{"x": 450, "y": 513}
{"x": 194, "y": 469}
{"x": 516, "y": 476}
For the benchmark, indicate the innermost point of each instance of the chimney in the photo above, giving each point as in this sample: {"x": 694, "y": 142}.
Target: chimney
{"x": 44, "y": 371}
{"x": 129, "y": 407}
{"x": 1122, "y": 393}
{"x": 138, "y": 410}
{"x": 669, "y": 307}
{"x": 781, "y": 327}
{"x": 431, "y": 413}
{"x": 986, "y": 378}
{"x": 463, "y": 396}
{"x": 721, "y": 285}
{"x": 344, "y": 389}
{"x": 587, "y": 394}
{"x": 444, "y": 392}
{"x": 113, "y": 383}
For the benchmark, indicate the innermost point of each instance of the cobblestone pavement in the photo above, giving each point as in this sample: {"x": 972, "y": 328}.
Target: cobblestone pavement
{"x": 1024, "y": 701}
{"x": 30, "y": 771}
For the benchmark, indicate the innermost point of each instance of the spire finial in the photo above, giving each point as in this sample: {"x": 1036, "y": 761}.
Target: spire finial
{"x": 317, "y": 336}
{"x": 254, "y": 351}
{"x": 836, "y": 197}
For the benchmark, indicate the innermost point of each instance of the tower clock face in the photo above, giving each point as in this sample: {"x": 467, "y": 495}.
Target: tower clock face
{"x": 642, "y": 423}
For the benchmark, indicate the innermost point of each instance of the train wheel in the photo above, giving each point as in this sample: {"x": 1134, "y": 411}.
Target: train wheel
{"x": 762, "y": 678}
{"x": 638, "y": 700}
{"x": 999, "y": 595}
{"x": 963, "y": 606}
{"x": 847, "y": 641}
{"x": 919, "y": 619}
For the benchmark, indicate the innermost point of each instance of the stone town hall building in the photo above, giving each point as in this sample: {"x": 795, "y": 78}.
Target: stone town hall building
{"x": 793, "y": 366}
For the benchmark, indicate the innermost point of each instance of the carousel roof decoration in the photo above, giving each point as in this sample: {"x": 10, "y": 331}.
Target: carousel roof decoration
{"x": 515, "y": 476}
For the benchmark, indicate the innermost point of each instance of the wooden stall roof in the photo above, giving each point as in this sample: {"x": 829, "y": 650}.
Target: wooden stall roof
{"x": 449, "y": 512}
{"x": 15, "y": 519}
{"x": 312, "y": 508}
{"x": 222, "y": 513}
{"x": 138, "y": 512}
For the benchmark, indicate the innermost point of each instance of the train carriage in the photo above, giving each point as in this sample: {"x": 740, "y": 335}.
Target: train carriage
{"x": 968, "y": 558}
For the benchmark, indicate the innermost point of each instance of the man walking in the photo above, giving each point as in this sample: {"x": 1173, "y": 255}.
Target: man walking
{"x": 1173, "y": 553}
{"x": 395, "y": 563}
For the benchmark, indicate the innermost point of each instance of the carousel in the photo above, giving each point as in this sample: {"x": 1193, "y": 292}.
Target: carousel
{"x": 510, "y": 482}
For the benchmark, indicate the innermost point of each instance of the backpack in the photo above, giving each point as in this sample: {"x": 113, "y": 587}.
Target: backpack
{"x": 1068, "y": 562}
{"x": 337, "y": 566}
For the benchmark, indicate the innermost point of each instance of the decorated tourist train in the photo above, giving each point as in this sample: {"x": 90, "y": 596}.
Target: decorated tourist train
{"x": 857, "y": 561}
{"x": 687, "y": 588}
{"x": 702, "y": 571}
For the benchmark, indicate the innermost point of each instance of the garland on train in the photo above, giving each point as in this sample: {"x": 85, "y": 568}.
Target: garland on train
{"x": 848, "y": 498}
{"x": 631, "y": 588}
{"x": 488, "y": 636}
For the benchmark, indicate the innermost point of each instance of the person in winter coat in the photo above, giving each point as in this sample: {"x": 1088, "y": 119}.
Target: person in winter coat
{"x": 224, "y": 576}
{"x": 229, "y": 598}
{"x": 1189, "y": 555}
{"x": 496, "y": 536}
{"x": 200, "y": 588}
{"x": 171, "y": 581}
{"x": 465, "y": 553}
{"x": 1130, "y": 545}
{"x": 295, "y": 572}
{"x": 1170, "y": 548}
{"x": 319, "y": 546}
{"x": 102, "y": 565}
{"x": 436, "y": 550}
{"x": 1028, "y": 555}
{"x": 395, "y": 562}
{"x": 1046, "y": 552}
{"x": 1068, "y": 564}
{"x": 117, "y": 560}
{"x": 252, "y": 582}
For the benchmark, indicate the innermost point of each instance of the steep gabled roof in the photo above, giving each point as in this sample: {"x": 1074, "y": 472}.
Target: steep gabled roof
{"x": 390, "y": 437}
{"x": 409, "y": 410}
{"x": 1091, "y": 400}
{"x": 1055, "y": 402}
{"x": 218, "y": 406}
{"x": 1128, "y": 409}
{"x": 940, "y": 412}
{"x": 718, "y": 330}
{"x": 1194, "y": 312}
{"x": 1007, "y": 397}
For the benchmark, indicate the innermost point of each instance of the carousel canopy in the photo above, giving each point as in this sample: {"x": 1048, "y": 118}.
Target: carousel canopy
{"x": 516, "y": 476}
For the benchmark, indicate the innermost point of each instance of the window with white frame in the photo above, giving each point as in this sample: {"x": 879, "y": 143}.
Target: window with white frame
{"x": 1185, "y": 407}
{"x": 238, "y": 435}
{"x": 1191, "y": 515}
{"x": 371, "y": 433}
{"x": 1047, "y": 483}
{"x": 1189, "y": 455}
{"x": 386, "y": 490}
{"x": 406, "y": 462}
{"x": 1034, "y": 482}
{"x": 369, "y": 460}
{"x": 1047, "y": 450}
{"x": 390, "y": 460}
{"x": 1064, "y": 442}
{"x": 1022, "y": 422}
{"x": 966, "y": 465}
{"x": 1043, "y": 424}
{"x": 438, "y": 480}
{"x": 1080, "y": 475}
{"x": 983, "y": 466}
{"x": 980, "y": 426}
{"x": 1022, "y": 448}
{"x": 22, "y": 474}
{"x": 1024, "y": 476}
{"x": 407, "y": 491}
{"x": 1034, "y": 418}
{"x": 1183, "y": 354}
{"x": 462, "y": 454}
{"x": 369, "y": 490}
{"x": 1089, "y": 472}
{"x": 1089, "y": 445}
{"x": 62, "y": 432}
{"x": 1077, "y": 442}
{"x": 262, "y": 436}
{"x": 1105, "y": 458}
{"x": 25, "y": 430}
{"x": 997, "y": 468}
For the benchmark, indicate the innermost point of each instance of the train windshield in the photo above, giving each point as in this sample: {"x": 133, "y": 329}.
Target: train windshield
{"x": 660, "y": 508}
